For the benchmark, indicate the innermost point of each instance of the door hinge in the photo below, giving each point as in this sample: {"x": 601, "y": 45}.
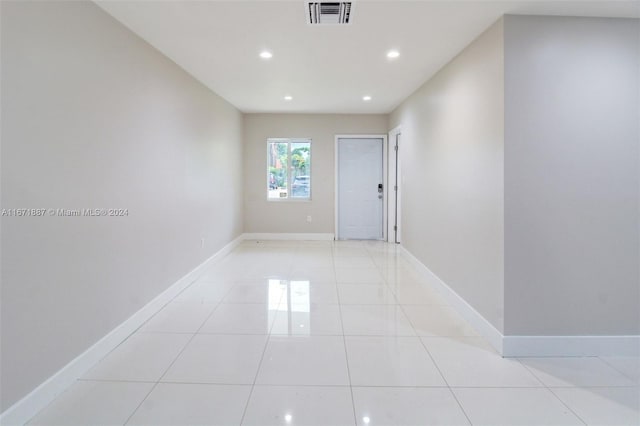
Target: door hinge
{"x": 395, "y": 148}
{"x": 395, "y": 228}
{"x": 395, "y": 187}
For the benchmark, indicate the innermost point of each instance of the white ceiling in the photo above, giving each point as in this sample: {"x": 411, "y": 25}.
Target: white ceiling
{"x": 327, "y": 69}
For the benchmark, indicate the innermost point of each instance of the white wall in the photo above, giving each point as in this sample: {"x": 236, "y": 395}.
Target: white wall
{"x": 571, "y": 176}
{"x": 452, "y": 166}
{"x": 262, "y": 216}
{"x": 94, "y": 117}
{"x": 554, "y": 104}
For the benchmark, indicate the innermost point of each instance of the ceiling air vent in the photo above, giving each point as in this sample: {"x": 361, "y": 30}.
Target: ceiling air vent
{"x": 328, "y": 12}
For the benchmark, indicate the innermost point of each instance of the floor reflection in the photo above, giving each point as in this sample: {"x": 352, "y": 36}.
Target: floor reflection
{"x": 294, "y": 307}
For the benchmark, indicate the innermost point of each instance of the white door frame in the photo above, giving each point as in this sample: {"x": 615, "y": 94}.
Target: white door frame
{"x": 384, "y": 179}
{"x": 392, "y": 172}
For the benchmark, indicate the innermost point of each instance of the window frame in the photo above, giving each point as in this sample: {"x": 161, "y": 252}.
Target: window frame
{"x": 289, "y": 141}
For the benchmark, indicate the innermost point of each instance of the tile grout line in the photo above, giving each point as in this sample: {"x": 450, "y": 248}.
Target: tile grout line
{"x": 432, "y": 359}
{"x": 435, "y": 364}
{"x": 550, "y": 390}
{"x": 179, "y": 353}
{"x": 264, "y": 350}
{"x": 167, "y": 369}
{"x": 372, "y": 386}
{"x": 424, "y": 346}
{"x": 160, "y": 378}
{"x": 135, "y": 410}
{"x": 563, "y": 403}
{"x": 622, "y": 372}
{"x": 344, "y": 342}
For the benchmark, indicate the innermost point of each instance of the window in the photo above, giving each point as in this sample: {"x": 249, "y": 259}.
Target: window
{"x": 289, "y": 169}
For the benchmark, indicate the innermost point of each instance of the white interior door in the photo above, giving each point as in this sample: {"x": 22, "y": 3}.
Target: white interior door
{"x": 360, "y": 190}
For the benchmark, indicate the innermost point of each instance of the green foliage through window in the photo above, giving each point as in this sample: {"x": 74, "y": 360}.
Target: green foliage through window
{"x": 289, "y": 169}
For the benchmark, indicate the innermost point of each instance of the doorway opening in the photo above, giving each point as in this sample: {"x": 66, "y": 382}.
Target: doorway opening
{"x": 395, "y": 180}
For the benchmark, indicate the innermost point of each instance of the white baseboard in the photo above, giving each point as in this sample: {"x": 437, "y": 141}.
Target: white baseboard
{"x": 477, "y": 321}
{"x": 23, "y": 410}
{"x": 527, "y": 346}
{"x": 289, "y": 236}
{"x": 530, "y": 346}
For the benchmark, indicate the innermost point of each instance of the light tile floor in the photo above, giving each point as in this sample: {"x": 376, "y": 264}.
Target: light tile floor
{"x": 332, "y": 333}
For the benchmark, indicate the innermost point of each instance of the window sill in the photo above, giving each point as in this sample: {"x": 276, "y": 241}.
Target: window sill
{"x": 289, "y": 200}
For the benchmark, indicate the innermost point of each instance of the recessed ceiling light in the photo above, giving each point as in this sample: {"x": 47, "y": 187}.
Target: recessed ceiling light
{"x": 288, "y": 98}
{"x": 265, "y": 54}
{"x": 393, "y": 54}
{"x": 366, "y": 98}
